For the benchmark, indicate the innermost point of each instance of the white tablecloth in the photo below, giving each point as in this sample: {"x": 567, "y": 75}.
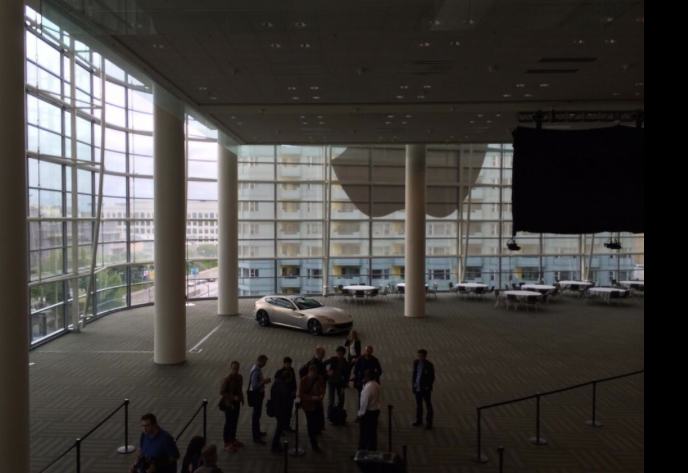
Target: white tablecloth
{"x": 565, "y": 284}
{"x": 519, "y": 294}
{"x": 359, "y": 287}
{"x": 401, "y": 284}
{"x": 472, "y": 285}
{"x": 542, "y": 288}
{"x": 632, "y": 284}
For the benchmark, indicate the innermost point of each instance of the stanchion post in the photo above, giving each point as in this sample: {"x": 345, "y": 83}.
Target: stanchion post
{"x": 296, "y": 451}
{"x": 389, "y": 427}
{"x": 205, "y": 419}
{"x": 285, "y": 445}
{"x": 78, "y": 455}
{"x": 126, "y": 448}
{"x": 594, "y": 422}
{"x": 537, "y": 440}
{"x": 501, "y": 459}
{"x": 480, "y": 458}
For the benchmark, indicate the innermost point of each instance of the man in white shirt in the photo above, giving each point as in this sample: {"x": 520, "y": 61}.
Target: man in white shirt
{"x": 369, "y": 412}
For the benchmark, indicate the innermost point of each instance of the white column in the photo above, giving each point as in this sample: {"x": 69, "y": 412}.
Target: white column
{"x": 14, "y": 340}
{"x": 414, "y": 292}
{"x": 170, "y": 230}
{"x": 228, "y": 225}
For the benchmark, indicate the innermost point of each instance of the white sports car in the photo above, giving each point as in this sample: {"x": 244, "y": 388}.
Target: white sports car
{"x": 302, "y": 312}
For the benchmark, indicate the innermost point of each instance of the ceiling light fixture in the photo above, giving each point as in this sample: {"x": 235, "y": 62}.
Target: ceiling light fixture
{"x": 544, "y": 84}
{"x": 520, "y": 86}
{"x": 427, "y": 87}
{"x": 424, "y": 44}
{"x": 403, "y": 87}
{"x": 400, "y": 97}
{"x": 275, "y": 45}
{"x": 390, "y": 116}
{"x": 316, "y": 97}
{"x": 527, "y": 95}
{"x": 305, "y": 45}
{"x": 291, "y": 87}
{"x": 314, "y": 87}
{"x": 300, "y": 24}
{"x": 408, "y": 115}
{"x": 506, "y": 96}
{"x": 267, "y": 24}
{"x": 454, "y": 43}
{"x": 610, "y": 41}
{"x": 295, "y": 97}
{"x": 202, "y": 88}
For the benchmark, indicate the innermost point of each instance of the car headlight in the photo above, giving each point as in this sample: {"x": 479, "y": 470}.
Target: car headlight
{"x": 327, "y": 320}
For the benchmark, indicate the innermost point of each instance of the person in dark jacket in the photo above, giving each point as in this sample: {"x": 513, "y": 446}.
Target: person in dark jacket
{"x": 366, "y": 362}
{"x": 287, "y": 371}
{"x": 232, "y": 398}
{"x": 282, "y": 400}
{"x": 192, "y": 458}
{"x": 311, "y": 394}
{"x": 338, "y": 378}
{"x": 421, "y": 381}
{"x": 318, "y": 361}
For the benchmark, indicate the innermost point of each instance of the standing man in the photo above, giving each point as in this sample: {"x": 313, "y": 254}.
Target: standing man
{"x": 158, "y": 451}
{"x": 318, "y": 361}
{"x": 421, "y": 382}
{"x": 337, "y": 379}
{"x": 363, "y": 364}
{"x": 232, "y": 392}
{"x": 256, "y": 394}
{"x": 311, "y": 394}
{"x": 369, "y": 412}
{"x": 287, "y": 373}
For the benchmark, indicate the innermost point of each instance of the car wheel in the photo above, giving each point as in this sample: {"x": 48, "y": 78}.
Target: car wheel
{"x": 314, "y": 327}
{"x": 263, "y": 318}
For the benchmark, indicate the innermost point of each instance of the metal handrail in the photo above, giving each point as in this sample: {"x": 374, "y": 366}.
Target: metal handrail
{"x": 537, "y": 439}
{"x": 77, "y": 442}
{"x": 203, "y": 407}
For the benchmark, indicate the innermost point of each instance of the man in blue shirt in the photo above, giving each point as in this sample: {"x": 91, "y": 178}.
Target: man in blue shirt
{"x": 158, "y": 452}
{"x": 256, "y": 394}
{"x": 421, "y": 381}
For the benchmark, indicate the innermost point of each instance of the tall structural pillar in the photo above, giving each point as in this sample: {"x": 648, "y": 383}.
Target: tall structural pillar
{"x": 228, "y": 223}
{"x": 170, "y": 230}
{"x": 414, "y": 292}
{"x": 14, "y": 339}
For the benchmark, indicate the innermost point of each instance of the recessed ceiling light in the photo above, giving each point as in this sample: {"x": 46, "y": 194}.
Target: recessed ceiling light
{"x": 305, "y": 45}
{"x": 427, "y": 87}
{"x": 275, "y": 45}
{"x": 639, "y": 84}
{"x": 471, "y": 122}
{"x": 610, "y": 41}
{"x": 202, "y": 88}
{"x": 302, "y": 117}
{"x": 637, "y": 94}
{"x": 408, "y": 115}
{"x": 267, "y": 24}
{"x": 616, "y": 94}
{"x": 579, "y": 42}
{"x": 291, "y": 87}
{"x": 212, "y": 97}
{"x": 421, "y": 97}
{"x": 544, "y": 84}
{"x": 480, "y": 115}
{"x": 403, "y": 87}
{"x": 404, "y": 123}
{"x": 388, "y": 123}
{"x": 424, "y": 44}
{"x": 314, "y": 87}
{"x": 233, "y": 117}
{"x": 316, "y": 97}
{"x": 158, "y": 46}
{"x": 240, "y": 123}
{"x": 608, "y": 19}
{"x": 300, "y": 24}
{"x": 454, "y": 43}
{"x": 304, "y": 123}
{"x": 488, "y": 121}
{"x": 321, "y": 123}
{"x": 527, "y": 95}
{"x": 520, "y": 86}
{"x": 498, "y": 115}
{"x": 320, "y": 117}
{"x": 506, "y": 96}
{"x": 295, "y": 97}
{"x": 390, "y": 116}
{"x": 400, "y": 97}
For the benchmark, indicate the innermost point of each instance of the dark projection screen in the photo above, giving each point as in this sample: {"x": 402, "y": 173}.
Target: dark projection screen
{"x": 582, "y": 181}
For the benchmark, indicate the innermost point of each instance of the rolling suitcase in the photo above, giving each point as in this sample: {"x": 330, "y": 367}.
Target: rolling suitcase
{"x": 377, "y": 461}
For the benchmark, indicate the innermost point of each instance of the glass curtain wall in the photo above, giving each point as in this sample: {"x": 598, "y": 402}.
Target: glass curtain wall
{"x": 310, "y": 217}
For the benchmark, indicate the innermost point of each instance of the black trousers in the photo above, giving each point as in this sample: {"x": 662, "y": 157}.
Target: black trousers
{"x": 257, "y": 412}
{"x": 368, "y": 431}
{"x": 231, "y": 421}
{"x": 335, "y": 390}
{"x": 313, "y": 425}
{"x": 282, "y": 424}
{"x": 424, "y": 396}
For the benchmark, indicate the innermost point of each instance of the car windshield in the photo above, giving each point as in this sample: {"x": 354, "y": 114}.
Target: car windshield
{"x": 304, "y": 303}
